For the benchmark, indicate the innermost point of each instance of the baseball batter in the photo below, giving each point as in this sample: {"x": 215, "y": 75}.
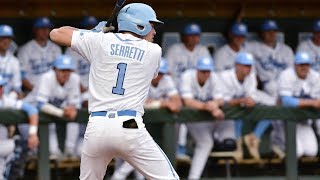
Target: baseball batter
{"x": 199, "y": 90}
{"x": 162, "y": 94}
{"x": 312, "y": 46}
{"x": 9, "y": 66}
{"x": 299, "y": 87}
{"x": 122, "y": 67}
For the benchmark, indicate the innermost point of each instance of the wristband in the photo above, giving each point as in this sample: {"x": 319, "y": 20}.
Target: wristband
{"x": 33, "y": 129}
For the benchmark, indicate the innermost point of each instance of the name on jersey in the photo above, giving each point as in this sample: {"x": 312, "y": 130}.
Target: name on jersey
{"x": 127, "y": 51}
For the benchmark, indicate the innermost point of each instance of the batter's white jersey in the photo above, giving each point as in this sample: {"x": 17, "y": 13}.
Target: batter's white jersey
{"x": 313, "y": 50}
{"x": 121, "y": 70}
{"x": 36, "y": 60}
{"x": 232, "y": 88}
{"x": 10, "y": 71}
{"x": 50, "y": 91}
{"x": 291, "y": 85}
{"x": 271, "y": 61}
{"x": 190, "y": 87}
{"x": 164, "y": 89}
{"x": 181, "y": 59}
{"x": 224, "y": 58}
{"x": 83, "y": 66}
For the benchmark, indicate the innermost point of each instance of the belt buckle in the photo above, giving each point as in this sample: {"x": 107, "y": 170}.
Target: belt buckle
{"x": 112, "y": 115}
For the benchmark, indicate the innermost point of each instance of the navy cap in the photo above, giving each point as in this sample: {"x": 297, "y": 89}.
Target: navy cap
{"x": 244, "y": 58}
{"x": 6, "y": 31}
{"x": 192, "y": 29}
{"x": 316, "y": 26}
{"x": 42, "y": 22}
{"x": 239, "y": 29}
{"x": 269, "y": 25}
{"x": 89, "y": 21}
{"x": 302, "y": 58}
{"x": 205, "y": 64}
{"x": 64, "y": 62}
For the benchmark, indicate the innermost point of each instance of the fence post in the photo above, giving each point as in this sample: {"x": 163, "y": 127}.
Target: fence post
{"x": 291, "y": 154}
{"x": 43, "y": 159}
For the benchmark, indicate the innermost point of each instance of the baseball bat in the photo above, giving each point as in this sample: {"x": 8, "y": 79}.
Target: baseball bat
{"x": 115, "y": 12}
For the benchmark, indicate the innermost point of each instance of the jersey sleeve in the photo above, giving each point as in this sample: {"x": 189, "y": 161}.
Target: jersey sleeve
{"x": 23, "y": 56}
{"x": 284, "y": 84}
{"x": 171, "y": 88}
{"x": 44, "y": 89}
{"x": 83, "y": 42}
{"x": 16, "y": 76}
{"x": 217, "y": 87}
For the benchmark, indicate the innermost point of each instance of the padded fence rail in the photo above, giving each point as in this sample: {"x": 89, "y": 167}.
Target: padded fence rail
{"x": 290, "y": 115}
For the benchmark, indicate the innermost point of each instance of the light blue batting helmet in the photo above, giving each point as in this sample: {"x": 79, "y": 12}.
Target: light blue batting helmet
{"x": 239, "y": 29}
{"x": 64, "y": 62}
{"x": 163, "y": 66}
{"x": 302, "y": 58}
{"x": 244, "y": 58}
{"x": 192, "y": 29}
{"x": 6, "y": 31}
{"x": 136, "y": 18}
{"x": 42, "y": 22}
{"x": 205, "y": 64}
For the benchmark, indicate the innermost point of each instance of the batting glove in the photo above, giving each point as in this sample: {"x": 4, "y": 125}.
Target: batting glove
{"x": 102, "y": 27}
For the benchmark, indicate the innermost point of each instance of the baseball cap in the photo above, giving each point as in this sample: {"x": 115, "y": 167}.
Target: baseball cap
{"x": 89, "y": 21}
{"x": 269, "y": 25}
{"x": 42, "y": 22}
{"x": 2, "y": 81}
{"x": 163, "y": 66}
{"x": 205, "y": 64}
{"x": 239, "y": 29}
{"x": 192, "y": 29}
{"x": 244, "y": 58}
{"x": 64, "y": 62}
{"x": 6, "y": 31}
{"x": 316, "y": 26}
{"x": 302, "y": 58}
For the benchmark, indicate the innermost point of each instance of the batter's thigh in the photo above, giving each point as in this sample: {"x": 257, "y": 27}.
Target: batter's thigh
{"x": 146, "y": 156}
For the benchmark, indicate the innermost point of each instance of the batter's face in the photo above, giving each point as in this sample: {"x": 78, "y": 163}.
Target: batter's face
{"x": 62, "y": 75}
{"x": 302, "y": 70}
{"x": 203, "y": 76}
{"x": 149, "y": 37}
{"x": 41, "y": 34}
{"x": 4, "y": 43}
{"x": 269, "y": 37}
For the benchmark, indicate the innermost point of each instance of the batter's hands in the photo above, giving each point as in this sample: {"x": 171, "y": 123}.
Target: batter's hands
{"x": 70, "y": 112}
{"x": 33, "y": 141}
{"x": 102, "y": 27}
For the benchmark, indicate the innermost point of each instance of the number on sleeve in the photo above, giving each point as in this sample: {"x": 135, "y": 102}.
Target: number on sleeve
{"x": 122, "y": 71}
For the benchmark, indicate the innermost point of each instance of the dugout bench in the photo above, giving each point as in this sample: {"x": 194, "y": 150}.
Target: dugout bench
{"x": 290, "y": 115}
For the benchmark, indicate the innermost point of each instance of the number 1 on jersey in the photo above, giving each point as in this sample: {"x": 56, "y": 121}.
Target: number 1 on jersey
{"x": 122, "y": 71}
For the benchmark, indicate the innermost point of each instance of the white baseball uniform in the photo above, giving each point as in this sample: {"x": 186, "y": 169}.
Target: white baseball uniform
{"x": 313, "y": 50}
{"x": 122, "y": 67}
{"x": 7, "y": 145}
{"x": 291, "y": 85}
{"x": 50, "y": 91}
{"x": 270, "y": 62}
{"x": 224, "y": 58}
{"x": 10, "y": 71}
{"x": 163, "y": 90}
{"x": 181, "y": 59}
{"x": 36, "y": 60}
{"x": 202, "y": 132}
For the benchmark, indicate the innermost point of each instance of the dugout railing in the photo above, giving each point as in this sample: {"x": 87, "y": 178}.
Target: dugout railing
{"x": 290, "y": 115}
